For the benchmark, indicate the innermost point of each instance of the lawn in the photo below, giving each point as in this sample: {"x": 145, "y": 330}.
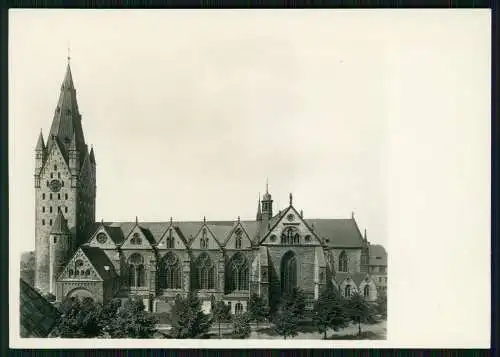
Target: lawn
{"x": 375, "y": 331}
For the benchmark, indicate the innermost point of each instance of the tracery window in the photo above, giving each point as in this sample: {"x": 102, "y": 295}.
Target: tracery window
{"x": 205, "y": 272}
{"x": 136, "y": 239}
{"x": 343, "y": 262}
{"x": 238, "y": 273}
{"x": 290, "y": 235}
{"x": 288, "y": 272}
{"x": 170, "y": 272}
{"x": 136, "y": 272}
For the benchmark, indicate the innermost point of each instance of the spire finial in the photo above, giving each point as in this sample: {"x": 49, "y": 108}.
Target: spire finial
{"x": 238, "y": 219}
{"x": 204, "y": 219}
{"x": 170, "y": 219}
{"x": 69, "y": 54}
{"x": 267, "y": 185}
{"x": 136, "y": 220}
{"x": 291, "y": 198}
{"x": 365, "y": 233}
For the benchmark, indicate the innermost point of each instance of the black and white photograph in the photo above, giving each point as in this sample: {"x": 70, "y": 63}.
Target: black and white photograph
{"x": 210, "y": 175}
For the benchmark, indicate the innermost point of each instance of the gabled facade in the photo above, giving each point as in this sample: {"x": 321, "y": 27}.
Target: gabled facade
{"x": 223, "y": 260}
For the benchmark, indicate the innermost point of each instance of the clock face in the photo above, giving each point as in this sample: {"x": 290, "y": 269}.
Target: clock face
{"x": 101, "y": 238}
{"x": 55, "y": 185}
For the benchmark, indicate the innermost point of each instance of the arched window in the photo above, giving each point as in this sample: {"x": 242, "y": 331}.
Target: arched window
{"x": 205, "y": 272}
{"x": 43, "y": 208}
{"x": 366, "y": 292}
{"x": 43, "y": 196}
{"x": 170, "y": 272}
{"x": 290, "y": 235}
{"x": 55, "y": 167}
{"x": 136, "y": 273}
{"x": 343, "y": 262}
{"x": 71, "y": 272}
{"x": 237, "y": 242}
{"x": 238, "y": 273}
{"x": 347, "y": 291}
{"x": 288, "y": 272}
{"x": 170, "y": 240}
{"x": 238, "y": 308}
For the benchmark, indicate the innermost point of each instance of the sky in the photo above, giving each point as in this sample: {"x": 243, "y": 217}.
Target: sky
{"x": 382, "y": 113}
{"x": 190, "y": 121}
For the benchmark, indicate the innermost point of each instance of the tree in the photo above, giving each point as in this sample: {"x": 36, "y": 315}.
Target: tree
{"x": 290, "y": 313}
{"x": 381, "y": 305}
{"x": 221, "y": 313}
{"x": 257, "y": 309}
{"x": 188, "y": 321}
{"x": 131, "y": 320}
{"x": 358, "y": 310}
{"x": 241, "y": 326}
{"x": 80, "y": 319}
{"x": 329, "y": 311}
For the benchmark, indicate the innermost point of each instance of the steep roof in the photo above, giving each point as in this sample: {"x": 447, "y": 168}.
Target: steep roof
{"x": 99, "y": 260}
{"x": 66, "y": 122}
{"x": 377, "y": 255}
{"x": 357, "y": 277}
{"x": 342, "y": 233}
{"x": 38, "y": 316}
{"x": 337, "y": 232}
{"x": 60, "y": 225}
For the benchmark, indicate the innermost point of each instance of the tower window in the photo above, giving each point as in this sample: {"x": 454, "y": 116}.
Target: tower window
{"x": 50, "y": 196}
{"x": 50, "y": 222}
{"x": 58, "y": 196}
{"x": 65, "y": 209}
{"x": 55, "y": 239}
{"x": 51, "y": 175}
{"x": 55, "y": 167}
{"x": 43, "y": 222}
{"x": 43, "y": 196}
{"x": 50, "y": 209}
{"x": 43, "y": 208}
{"x": 62, "y": 183}
{"x": 65, "y": 196}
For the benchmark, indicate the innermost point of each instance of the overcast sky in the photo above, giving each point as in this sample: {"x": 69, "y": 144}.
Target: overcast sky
{"x": 189, "y": 113}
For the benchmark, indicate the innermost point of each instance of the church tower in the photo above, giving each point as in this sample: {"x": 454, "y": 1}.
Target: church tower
{"x": 267, "y": 204}
{"x": 65, "y": 184}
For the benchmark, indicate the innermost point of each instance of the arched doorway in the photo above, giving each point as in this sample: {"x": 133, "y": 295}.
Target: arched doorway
{"x": 80, "y": 293}
{"x": 288, "y": 272}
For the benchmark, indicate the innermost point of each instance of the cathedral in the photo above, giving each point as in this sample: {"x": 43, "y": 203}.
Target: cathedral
{"x": 158, "y": 261}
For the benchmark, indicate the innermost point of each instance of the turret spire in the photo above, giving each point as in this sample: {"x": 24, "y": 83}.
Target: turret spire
{"x": 259, "y": 213}
{"x": 267, "y": 203}
{"x": 40, "y": 144}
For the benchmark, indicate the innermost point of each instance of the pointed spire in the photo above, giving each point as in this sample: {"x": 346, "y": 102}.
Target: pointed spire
{"x": 136, "y": 220}
{"x": 40, "y": 144}
{"x": 92, "y": 156}
{"x": 365, "y": 234}
{"x": 204, "y": 219}
{"x": 259, "y": 213}
{"x": 60, "y": 225}
{"x": 68, "y": 78}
